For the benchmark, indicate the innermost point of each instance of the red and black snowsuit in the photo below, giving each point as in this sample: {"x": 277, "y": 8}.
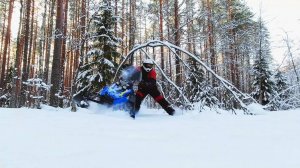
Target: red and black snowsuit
{"x": 148, "y": 86}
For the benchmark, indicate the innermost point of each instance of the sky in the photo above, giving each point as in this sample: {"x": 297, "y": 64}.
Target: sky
{"x": 280, "y": 17}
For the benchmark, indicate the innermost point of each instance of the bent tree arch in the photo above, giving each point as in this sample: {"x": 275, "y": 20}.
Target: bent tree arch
{"x": 286, "y": 99}
{"x": 221, "y": 92}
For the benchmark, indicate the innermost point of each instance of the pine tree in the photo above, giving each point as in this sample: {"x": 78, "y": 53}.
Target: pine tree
{"x": 280, "y": 82}
{"x": 281, "y": 95}
{"x": 263, "y": 84}
{"x": 100, "y": 68}
{"x": 195, "y": 80}
{"x": 198, "y": 88}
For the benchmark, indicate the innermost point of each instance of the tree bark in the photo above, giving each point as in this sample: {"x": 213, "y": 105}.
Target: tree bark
{"x": 210, "y": 43}
{"x": 161, "y": 33}
{"x": 49, "y": 41}
{"x": 6, "y": 43}
{"x": 57, "y": 55}
{"x": 177, "y": 43}
{"x": 63, "y": 52}
{"x": 16, "y": 90}
{"x": 34, "y": 62}
{"x": 2, "y": 40}
{"x": 123, "y": 27}
{"x": 42, "y": 43}
{"x": 231, "y": 46}
{"x": 26, "y": 41}
{"x": 31, "y": 44}
{"x": 132, "y": 26}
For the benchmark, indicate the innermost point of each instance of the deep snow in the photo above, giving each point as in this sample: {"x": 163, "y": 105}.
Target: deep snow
{"x": 102, "y": 138}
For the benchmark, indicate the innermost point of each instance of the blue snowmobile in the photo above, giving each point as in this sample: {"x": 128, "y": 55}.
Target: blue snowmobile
{"x": 119, "y": 95}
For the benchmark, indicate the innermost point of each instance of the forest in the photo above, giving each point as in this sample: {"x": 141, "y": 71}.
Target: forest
{"x": 213, "y": 52}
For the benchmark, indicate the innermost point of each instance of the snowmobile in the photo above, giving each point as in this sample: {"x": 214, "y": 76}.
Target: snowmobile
{"x": 119, "y": 95}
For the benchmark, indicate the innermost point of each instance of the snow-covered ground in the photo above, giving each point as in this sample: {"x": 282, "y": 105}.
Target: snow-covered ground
{"x": 102, "y": 138}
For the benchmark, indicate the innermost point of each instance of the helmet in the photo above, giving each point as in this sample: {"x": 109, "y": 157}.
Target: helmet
{"x": 147, "y": 65}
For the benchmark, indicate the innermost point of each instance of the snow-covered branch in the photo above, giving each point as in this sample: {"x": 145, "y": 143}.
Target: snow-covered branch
{"x": 237, "y": 94}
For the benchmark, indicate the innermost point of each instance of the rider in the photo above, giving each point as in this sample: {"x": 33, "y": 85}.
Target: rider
{"x": 147, "y": 86}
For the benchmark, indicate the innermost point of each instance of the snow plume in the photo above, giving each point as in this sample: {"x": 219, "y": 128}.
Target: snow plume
{"x": 130, "y": 73}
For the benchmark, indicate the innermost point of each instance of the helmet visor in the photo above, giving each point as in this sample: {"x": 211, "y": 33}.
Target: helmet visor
{"x": 150, "y": 66}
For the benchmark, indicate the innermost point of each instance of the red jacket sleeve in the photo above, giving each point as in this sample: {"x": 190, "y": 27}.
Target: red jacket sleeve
{"x": 152, "y": 74}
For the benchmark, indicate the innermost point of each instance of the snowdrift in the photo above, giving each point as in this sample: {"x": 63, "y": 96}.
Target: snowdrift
{"x": 99, "y": 137}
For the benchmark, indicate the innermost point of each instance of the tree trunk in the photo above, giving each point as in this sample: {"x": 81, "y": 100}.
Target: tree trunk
{"x": 15, "y": 102}
{"x": 31, "y": 48}
{"x": 26, "y": 41}
{"x": 33, "y": 62}
{"x": 57, "y": 54}
{"x": 161, "y": 33}
{"x": 2, "y": 41}
{"x": 132, "y": 26}
{"x": 49, "y": 41}
{"x": 63, "y": 52}
{"x": 83, "y": 28}
{"x": 116, "y": 25}
{"x": 6, "y": 43}
{"x": 210, "y": 43}
{"x": 42, "y": 43}
{"x": 231, "y": 46}
{"x": 123, "y": 27}
{"x": 177, "y": 43}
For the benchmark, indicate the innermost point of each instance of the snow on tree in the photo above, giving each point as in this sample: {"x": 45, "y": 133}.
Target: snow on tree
{"x": 34, "y": 92}
{"x": 286, "y": 95}
{"x": 197, "y": 88}
{"x": 280, "y": 96}
{"x": 234, "y": 98}
{"x": 100, "y": 66}
{"x": 263, "y": 86}
{"x": 280, "y": 82}
{"x": 6, "y": 91}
